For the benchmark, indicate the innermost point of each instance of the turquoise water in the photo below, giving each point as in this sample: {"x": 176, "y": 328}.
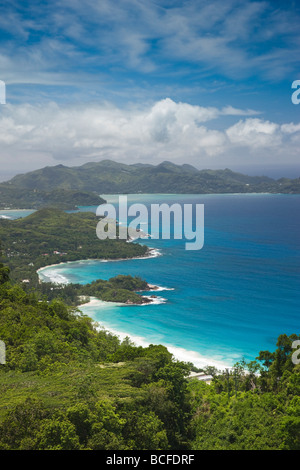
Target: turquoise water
{"x": 13, "y": 214}
{"x": 227, "y": 301}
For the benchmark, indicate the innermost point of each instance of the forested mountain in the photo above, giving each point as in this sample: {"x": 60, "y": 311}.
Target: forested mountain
{"x": 108, "y": 177}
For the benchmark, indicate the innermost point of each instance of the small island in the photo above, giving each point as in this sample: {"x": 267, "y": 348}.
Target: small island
{"x": 123, "y": 289}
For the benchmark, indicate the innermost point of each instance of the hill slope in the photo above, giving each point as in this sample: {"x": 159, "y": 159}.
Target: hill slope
{"x": 15, "y": 196}
{"x": 51, "y": 236}
{"x": 108, "y": 177}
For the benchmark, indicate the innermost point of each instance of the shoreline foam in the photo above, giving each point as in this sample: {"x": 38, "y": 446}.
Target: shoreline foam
{"x": 155, "y": 288}
{"x": 152, "y": 253}
{"x": 180, "y": 354}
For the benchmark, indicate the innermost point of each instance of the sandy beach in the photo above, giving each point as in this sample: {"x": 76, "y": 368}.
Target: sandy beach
{"x": 180, "y": 354}
{"x": 152, "y": 253}
{"x": 94, "y": 305}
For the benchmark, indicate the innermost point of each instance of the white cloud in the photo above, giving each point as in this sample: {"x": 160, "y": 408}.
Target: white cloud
{"x": 226, "y": 37}
{"x": 231, "y": 111}
{"x": 35, "y": 136}
{"x": 254, "y": 133}
{"x": 290, "y": 128}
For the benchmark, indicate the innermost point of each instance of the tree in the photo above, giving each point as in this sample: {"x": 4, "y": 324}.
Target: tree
{"x": 267, "y": 357}
{"x": 4, "y": 274}
{"x": 145, "y": 432}
{"x": 282, "y": 358}
{"x": 21, "y": 424}
{"x": 81, "y": 416}
{"x": 57, "y": 434}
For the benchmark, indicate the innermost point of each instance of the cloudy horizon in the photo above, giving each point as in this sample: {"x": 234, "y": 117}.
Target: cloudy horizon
{"x": 198, "y": 82}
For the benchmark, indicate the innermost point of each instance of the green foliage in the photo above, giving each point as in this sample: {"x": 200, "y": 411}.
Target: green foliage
{"x": 38, "y": 334}
{"x": 117, "y": 289}
{"x": 68, "y": 385}
{"x": 57, "y": 434}
{"x": 254, "y": 407}
{"x": 20, "y": 425}
{"x": 108, "y": 177}
{"x": 121, "y": 289}
{"x": 4, "y": 274}
{"x": 51, "y": 236}
{"x": 247, "y": 423}
{"x": 16, "y": 197}
{"x": 55, "y": 351}
{"x": 145, "y": 432}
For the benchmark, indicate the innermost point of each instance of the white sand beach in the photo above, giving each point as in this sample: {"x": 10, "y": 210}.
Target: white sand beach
{"x": 180, "y": 354}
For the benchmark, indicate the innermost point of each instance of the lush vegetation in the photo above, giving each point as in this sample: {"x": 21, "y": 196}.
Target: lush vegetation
{"x": 255, "y": 407}
{"x": 67, "y": 384}
{"x": 108, "y": 177}
{"x": 120, "y": 288}
{"x": 51, "y": 236}
{"x": 15, "y": 197}
{"x": 117, "y": 289}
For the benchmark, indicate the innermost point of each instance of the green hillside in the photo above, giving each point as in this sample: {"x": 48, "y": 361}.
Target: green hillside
{"x": 108, "y": 177}
{"x": 17, "y": 197}
{"x": 68, "y": 385}
{"x": 51, "y": 236}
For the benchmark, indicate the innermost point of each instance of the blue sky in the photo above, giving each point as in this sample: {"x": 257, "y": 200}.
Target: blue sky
{"x": 203, "y": 82}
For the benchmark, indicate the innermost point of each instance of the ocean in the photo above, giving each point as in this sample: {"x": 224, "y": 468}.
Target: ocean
{"x": 12, "y": 214}
{"x": 217, "y": 305}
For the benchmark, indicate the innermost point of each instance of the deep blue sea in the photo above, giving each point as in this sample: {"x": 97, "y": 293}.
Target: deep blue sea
{"x": 225, "y": 302}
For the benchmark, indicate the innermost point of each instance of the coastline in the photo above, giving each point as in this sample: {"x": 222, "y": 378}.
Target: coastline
{"x": 146, "y": 299}
{"x": 151, "y": 253}
{"x": 180, "y": 354}
{"x": 93, "y": 302}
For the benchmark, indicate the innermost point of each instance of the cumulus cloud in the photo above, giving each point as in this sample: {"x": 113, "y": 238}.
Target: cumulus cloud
{"x": 33, "y": 136}
{"x": 254, "y": 133}
{"x": 290, "y": 128}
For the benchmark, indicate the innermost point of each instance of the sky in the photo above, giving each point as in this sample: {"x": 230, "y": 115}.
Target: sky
{"x": 204, "y": 82}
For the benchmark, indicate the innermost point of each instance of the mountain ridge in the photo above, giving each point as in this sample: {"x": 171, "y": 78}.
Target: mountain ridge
{"x": 110, "y": 177}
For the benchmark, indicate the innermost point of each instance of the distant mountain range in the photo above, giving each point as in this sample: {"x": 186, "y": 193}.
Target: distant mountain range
{"x": 38, "y": 188}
